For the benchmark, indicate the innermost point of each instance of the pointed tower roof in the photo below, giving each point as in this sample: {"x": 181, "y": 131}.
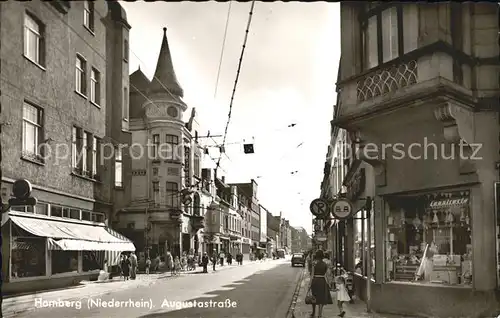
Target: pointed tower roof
{"x": 165, "y": 78}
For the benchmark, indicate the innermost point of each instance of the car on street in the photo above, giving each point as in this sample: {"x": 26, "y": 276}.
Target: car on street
{"x": 298, "y": 259}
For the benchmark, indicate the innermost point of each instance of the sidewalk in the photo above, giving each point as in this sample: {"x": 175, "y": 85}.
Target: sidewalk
{"x": 17, "y": 304}
{"x": 356, "y": 310}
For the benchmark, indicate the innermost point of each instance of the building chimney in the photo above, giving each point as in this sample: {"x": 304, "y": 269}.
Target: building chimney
{"x": 223, "y": 179}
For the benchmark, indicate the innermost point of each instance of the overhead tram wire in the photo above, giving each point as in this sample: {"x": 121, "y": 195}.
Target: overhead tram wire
{"x": 236, "y": 80}
{"x": 222, "y": 49}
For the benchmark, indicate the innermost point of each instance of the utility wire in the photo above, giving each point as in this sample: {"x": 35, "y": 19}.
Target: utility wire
{"x": 236, "y": 80}
{"x": 222, "y": 50}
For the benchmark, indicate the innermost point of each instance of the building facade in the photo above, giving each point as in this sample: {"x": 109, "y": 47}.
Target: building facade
{"x": 246, "y": 225}
{"x": 264, "y": 241}
{"x": 273, "y": 232}
{"x": 164, "y": 213}
{"x": 295, "y": 246}
{"x": 303, "y": 239}
{"x": 249, "y": 191}
{"x": 53, "y": 135}
{"x": 434, "y": 68}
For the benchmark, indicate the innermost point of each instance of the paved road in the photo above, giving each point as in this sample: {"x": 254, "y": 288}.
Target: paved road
{"x": 263, "y": 290}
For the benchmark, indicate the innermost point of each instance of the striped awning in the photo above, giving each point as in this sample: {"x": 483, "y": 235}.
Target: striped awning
{"x": 17, "y": 245}
{"x": 73, "y": 236}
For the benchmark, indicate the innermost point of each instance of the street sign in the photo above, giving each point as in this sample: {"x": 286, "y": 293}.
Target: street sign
{"x": 341, "y": 209}
{"x": 318, "y": 207}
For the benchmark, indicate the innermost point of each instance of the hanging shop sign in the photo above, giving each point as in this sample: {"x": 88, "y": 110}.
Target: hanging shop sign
{"x": 318, "y": 225}
{"x": 357, "y": 185}
{"x": 341, "y": 209}
{"x": 319, "y": 207}
{"x": 320, "y": 237}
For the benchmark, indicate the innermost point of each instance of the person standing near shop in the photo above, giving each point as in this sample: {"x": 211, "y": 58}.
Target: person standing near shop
{"x": 320, "y": 286}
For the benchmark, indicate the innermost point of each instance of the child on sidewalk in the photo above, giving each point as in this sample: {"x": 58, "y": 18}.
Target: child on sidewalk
{"x": 342, "y": 294}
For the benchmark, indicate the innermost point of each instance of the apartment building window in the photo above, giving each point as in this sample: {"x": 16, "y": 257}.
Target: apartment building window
{"x": 156, "y": 193}
{"x": 172, "y": 142}
{"x": 156, "y": 146}
{"x": 95, "y": 86}
{"x": 125, "y": 50}
{"x": 96, "y": 142}
{"x": 118, "y": 168}
{"x": 74, "y": 148}
{"x": 187, "y": 166}
{"x": 88, "y": 15}
{"x": 80, "y": 79}
{"x": 125, "y": 104}
{"x": 382, "y": 34}
{"x": 172, "y": 193}
{"x": 32, "y": 131}
{"x": 196, "y": 164}
{"x": 85, "y": 151}
{"x": 34, "y": 39}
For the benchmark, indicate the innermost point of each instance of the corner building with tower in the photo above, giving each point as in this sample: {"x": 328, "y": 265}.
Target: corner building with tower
{"x": 165, "y": 212}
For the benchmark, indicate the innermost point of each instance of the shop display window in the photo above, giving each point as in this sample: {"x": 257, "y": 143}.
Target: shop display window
{"x": 92, "y": 260}
{"x": 361, "y": 243}
{"x": 429, "y": 239}
{"x": 28, "y": 257}
{"x": 64, "y": 261}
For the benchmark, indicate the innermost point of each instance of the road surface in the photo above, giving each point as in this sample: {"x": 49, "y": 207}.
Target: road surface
{"x": 260, "y": 290}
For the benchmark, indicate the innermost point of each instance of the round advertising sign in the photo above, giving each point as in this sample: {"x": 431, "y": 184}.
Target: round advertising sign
{"x": 341, "y": 209}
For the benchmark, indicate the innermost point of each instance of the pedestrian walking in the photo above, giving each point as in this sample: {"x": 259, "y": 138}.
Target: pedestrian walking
{"x": 214, "y": 260}
{"x": 133, "y": 265}
{"x": 221, "y": 258}
{"x": 148, "y": 265}
{"x": 177, "y": 266}
{"x": 125, "y": 267}
{"x": 229, "y": 259}
{"x": 319, "y": 288}
{"x": 204, "y": 262}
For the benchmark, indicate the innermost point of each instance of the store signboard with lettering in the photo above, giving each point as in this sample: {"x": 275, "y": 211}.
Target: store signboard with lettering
{"x": 446, "y": 200}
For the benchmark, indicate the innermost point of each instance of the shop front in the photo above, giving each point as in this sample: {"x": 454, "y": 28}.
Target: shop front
{"x": 235, "y": 245}
{"x": 41, "y": 252}
{"x": 246, "y": 249}
{"x": 433, "y": 213}
{"x": 360, "y": 234}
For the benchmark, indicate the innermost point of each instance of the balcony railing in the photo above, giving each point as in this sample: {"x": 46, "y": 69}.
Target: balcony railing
{"x": 387, "y": 80}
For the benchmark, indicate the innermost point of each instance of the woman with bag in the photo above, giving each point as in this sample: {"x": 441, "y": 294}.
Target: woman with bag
{"x": 319, "y": 288}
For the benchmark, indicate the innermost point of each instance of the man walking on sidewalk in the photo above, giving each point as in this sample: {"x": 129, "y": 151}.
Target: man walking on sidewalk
{"x": 215, "y": 258}
{"x": 204, "y": 262}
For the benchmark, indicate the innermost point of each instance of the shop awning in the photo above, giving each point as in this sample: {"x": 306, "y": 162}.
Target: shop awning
{"x": 70, "y": 236}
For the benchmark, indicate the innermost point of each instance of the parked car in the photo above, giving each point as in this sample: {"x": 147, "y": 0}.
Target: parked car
{"x": 298, "y": 259}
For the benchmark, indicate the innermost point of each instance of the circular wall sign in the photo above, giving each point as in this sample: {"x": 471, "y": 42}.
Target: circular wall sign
{"x": 21, "y": 189}
{"x": 341, "y": 209}
{"x": 318, "y": 207}
{"x": 172, "y": 111}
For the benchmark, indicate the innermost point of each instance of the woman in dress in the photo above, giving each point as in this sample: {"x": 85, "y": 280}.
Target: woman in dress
{"x": 177, "y": 266}
{"x": 320, "y": 287}
{"x": 125, "y": 265}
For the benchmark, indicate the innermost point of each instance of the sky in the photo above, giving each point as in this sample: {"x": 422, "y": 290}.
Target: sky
{"x": 287, "y": 77}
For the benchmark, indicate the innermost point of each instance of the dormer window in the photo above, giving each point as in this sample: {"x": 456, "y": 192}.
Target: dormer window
{"x": 88, "y": 15}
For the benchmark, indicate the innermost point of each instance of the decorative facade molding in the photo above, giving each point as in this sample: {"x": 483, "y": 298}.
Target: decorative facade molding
{"x": 387, "y": 80}
{"x": 458, "y": 129}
